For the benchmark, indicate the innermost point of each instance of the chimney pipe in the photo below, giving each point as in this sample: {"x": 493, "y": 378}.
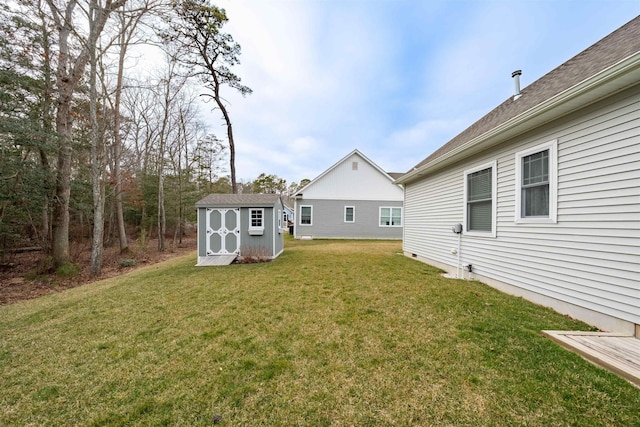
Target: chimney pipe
{"x": 516, "y": 80}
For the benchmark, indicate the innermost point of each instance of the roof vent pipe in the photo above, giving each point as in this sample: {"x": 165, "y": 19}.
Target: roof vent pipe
{"x": 516, "y": 81}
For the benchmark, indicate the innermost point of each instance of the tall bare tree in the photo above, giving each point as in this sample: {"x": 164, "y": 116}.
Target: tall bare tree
{"x": 71, "y": 66}
{"x": 210, "y": 53}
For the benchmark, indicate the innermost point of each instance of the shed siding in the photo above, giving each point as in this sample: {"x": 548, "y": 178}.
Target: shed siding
{"x": 250, "y": 243}
{"x": 591, "y": 257}
{"x": 328, "y": 220}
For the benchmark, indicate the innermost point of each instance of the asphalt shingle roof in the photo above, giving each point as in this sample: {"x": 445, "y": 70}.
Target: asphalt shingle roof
{"x": 236, "y": 200}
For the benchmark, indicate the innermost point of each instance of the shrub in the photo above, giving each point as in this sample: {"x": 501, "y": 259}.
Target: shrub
{"x": 253, "y": 254}
{"x": 128, "y": 262}
{"x": 68, "y": 269}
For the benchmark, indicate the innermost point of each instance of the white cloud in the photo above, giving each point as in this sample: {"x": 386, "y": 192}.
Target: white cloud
{"x": 393, "y": 79}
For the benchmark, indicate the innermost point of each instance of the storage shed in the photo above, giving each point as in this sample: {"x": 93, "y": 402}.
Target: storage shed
{"x": 232, "y": 225}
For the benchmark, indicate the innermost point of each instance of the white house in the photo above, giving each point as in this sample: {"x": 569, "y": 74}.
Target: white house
{"x": 547, "y": 190}
{"x": 353, "y": 199}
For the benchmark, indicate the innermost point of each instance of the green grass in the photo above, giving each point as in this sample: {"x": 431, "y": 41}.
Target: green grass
{"x": 332, "y": 333}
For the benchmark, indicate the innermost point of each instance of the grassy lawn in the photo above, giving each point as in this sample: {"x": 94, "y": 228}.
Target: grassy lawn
{"x": 332, "y": 333}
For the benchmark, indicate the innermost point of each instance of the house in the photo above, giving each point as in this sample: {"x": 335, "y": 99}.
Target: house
{"x": 353, "y": 199}
{"x": 545, "y": 190}
{"x": 288, "y": 215}
{"x": 231, "y": 225}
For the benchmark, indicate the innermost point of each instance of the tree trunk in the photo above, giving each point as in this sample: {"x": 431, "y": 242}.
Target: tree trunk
{"x": 67, "y": 80}
{"x": 232, "y": 146}
{"x": 97, "y": 147}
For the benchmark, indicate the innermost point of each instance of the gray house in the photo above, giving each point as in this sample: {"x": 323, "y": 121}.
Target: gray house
{"x": 546, "y": 188}
{"x": 353, "y": 199}
{"x": 231, "y": 225}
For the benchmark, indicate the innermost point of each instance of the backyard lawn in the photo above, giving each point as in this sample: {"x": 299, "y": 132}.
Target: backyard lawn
{"x": 332, "y": 333}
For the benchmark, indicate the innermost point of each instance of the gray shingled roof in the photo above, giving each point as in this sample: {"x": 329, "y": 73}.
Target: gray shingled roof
{"x": 612, "y": 49}
{"x": 395, "y": 175}
{"x": 237, "y": 200}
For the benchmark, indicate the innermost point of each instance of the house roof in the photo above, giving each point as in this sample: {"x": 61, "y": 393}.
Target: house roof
{"x": 238, "y": 200}
{"x": 590, "y": 70}
{"x": 395, "y": 175}
{"x": 356, "y": 151}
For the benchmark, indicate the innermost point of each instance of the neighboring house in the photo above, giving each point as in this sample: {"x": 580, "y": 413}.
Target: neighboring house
{"x": 547, "y": 189}
{"x": 353, "y": 199}
{"x": 288, "y": 215}
{"x": 239, "y": 224}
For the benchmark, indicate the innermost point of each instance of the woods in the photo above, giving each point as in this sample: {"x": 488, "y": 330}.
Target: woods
{"x": 94, "y": 142}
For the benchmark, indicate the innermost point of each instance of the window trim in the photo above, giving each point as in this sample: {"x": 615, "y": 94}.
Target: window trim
{"x": 552, "y": 146}
{"x": 310, "y": 215}
{"x": 256, "y": 229}
{"x": 494, "y": 199}
{"x": 353, "y": 216}
{"x": 390, "y": 216}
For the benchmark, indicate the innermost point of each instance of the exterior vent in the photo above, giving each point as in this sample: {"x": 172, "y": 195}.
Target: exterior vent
{"x": 516, "y": 81}
{"x": 354, "y": 166}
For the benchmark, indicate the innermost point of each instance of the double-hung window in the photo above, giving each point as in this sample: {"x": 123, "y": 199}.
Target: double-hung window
{"x": 480, "y": 199}
{"x": 256, "y": 221}
{"x": 349, "y": 214}
{"x": 536, "y": 172}
{"x": 390, "y": 217}
{"x": 306, "y": 215}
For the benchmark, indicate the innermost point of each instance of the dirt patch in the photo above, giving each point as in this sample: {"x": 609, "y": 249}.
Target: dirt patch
{"x": 28, "y": 275}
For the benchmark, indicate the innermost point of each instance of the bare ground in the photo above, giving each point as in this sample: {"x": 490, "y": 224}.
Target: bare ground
{"x": 27, "y": 275}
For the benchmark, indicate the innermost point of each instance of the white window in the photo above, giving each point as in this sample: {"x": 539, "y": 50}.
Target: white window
{"x": 390, "y": 217}
{"x": 256, "y": 221}
{"x": 536, "y": 183}
{"x": 279, "y": 219}
{"x": 306, "y": 215}
{"x": 480, "y": 200}
{"x": 349, "y": 214}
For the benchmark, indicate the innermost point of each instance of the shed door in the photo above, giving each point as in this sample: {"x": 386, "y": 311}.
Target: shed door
{"x": 223, "y": 231}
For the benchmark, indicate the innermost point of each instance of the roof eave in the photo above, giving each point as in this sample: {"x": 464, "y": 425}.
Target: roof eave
{"x": 609, "y": 81}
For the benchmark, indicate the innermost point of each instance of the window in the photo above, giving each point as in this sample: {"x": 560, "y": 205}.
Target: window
{"x": 349, "y": 214}
{"x": 306, "y": 215}
{"x": 536, "y": 171}
{"x": 480, "y": 199}
{"x": 390, "y": 217}
{"x": 256, "y": 221}
{"x": 279, "y": 219}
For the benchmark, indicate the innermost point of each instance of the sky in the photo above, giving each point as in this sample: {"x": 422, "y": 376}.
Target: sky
{"x": 395, "y": 79}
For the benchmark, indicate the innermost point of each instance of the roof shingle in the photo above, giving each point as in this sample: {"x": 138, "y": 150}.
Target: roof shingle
{"x": 237, "y": 200}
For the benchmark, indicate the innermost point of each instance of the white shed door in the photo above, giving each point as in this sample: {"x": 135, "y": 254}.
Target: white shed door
{"x": 223, "y": 231}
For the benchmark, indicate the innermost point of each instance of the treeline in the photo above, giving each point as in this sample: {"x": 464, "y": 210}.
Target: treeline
{"x": 95, "y": 141}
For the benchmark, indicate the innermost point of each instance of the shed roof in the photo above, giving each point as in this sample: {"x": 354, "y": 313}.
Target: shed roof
{"x": 612, "y": 49}
{"x": 238, "y": 200}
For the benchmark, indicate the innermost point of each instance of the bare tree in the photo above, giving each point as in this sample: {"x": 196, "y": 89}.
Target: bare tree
{"x": 210, "y": 53}
{"x": 70, "y": 70}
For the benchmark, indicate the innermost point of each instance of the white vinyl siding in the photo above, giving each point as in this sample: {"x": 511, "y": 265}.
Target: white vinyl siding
{"x": 480, "y": 200}
{"x": 306, "y": 215}
{"x": 344, "y": 182}
{"x": 536, "y": 188}
{"x": 349, "y": 214}
{"x": 590, "y": 257}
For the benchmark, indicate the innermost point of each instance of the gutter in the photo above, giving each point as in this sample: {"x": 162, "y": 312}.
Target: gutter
{"x": 627, "y": 65}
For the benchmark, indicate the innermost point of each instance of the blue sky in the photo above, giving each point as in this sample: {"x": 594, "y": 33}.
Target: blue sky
{"x": 395, "y": 79}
